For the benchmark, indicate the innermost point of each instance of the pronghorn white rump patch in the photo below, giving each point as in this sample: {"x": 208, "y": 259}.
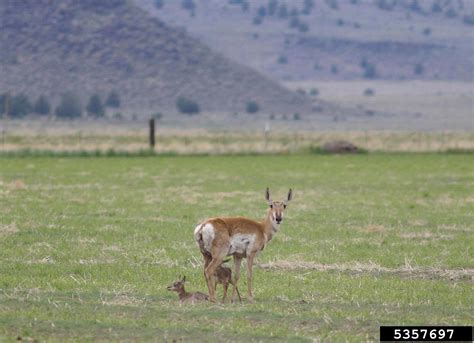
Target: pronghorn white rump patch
{"x": 206, "y": 233}
{"x": 241, "y": 243}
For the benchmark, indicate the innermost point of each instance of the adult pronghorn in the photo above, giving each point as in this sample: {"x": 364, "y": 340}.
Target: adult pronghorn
{"x": 238, "y": 236}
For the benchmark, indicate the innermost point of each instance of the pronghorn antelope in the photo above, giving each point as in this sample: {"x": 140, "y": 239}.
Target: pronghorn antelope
{"x": 184, "y": 296}
{"x": 237, "y": 236}
{"x": 223, "y": 275}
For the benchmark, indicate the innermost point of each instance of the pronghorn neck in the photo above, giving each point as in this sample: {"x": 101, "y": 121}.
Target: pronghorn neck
{"x": 269, "y": 227}
{"x": 182, "y": 294}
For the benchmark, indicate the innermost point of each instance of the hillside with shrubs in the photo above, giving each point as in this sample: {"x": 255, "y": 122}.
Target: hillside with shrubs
{"x": 86, "y": 57}
{"x": 333, "y": 39}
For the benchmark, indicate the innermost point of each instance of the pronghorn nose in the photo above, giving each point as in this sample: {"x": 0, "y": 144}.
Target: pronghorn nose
{"x": 278, "y": 220}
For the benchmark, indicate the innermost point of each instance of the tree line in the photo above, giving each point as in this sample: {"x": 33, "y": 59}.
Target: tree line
{"x": 70, "y": 106}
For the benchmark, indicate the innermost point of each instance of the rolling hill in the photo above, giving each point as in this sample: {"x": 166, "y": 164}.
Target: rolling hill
{"x": 295, "y": 40}
{"x": 86, "y": 47}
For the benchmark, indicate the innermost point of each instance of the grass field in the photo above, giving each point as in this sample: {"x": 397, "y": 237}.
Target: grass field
{"x": 88, "y": 246}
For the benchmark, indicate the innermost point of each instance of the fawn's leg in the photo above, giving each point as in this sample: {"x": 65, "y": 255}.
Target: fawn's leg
{"x": 226, "y": 285}
{"x": 237, "y": 262}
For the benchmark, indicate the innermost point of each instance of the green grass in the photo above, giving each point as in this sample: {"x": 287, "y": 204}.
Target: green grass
{"x": 88, "y": 246}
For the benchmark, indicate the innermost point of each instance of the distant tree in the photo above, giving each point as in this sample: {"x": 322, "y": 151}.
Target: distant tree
{"x": 303, "y": 27}
{"x": 334, "y": 69}
{"x": 436, "y": 8}
{"x": 282, "y": 59}
{"x": 95, "y": 106}
{"x": 42, "y": 106}
{"x": 245, "y": 6}
{"x": 314, "y": 92}
{"x": 257, "y": 20}
{"x": 415, "y": 6}
{"x": 283, "y": 11}
{"x": 20, "y": 106}
{"x": 427, "y": 31}
{"x": 468, "y": 19}
{"x": 187, "y": 106}
{"x": 370, "y": 72}
{"x": 354, "y": 2}
{"x": 113, "y": 100}
{"x": 294, "y": 12}
{"x": 189, "y": 5}
{"x": 386, "y": 5}
{"x": 252, "y": 107}
{"x": 272, "y": 7}
{"x": 262, "y": 11}
{"x": 451, "y": 13}
{"x": 308, "y": 6}
{"x": 333, "y": 4}
{"x": 294, "y": 22}
{"x": 3, "y": 102}
{"x": 296, "y": 116}
{"x": 69, "y": 107}
{"x": 418, "y": 69}
{"x": 340, "y": 22}
{"x": 159, "y": 4}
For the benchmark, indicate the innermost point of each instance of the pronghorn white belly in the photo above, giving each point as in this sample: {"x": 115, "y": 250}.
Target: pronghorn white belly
{"x": 206, "y": 231}
{"x": 241, "y": 243}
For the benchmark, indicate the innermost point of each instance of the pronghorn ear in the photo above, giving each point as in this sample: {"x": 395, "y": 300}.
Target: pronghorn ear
{"x": 267, "y": 196}
{"x": 290, "y": 195}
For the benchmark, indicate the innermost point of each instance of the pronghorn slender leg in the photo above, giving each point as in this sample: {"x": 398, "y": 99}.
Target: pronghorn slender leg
{"x": 237, "y": 263}
{"x": 218, "y": 255}
{"x": 226, "y": 285}
{"x": 250, "y": 258}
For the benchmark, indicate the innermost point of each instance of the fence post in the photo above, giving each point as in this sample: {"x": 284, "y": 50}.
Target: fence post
{"x": 152, "y": 133}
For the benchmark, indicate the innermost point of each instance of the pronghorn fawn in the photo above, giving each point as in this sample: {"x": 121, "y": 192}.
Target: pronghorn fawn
{"x": 223, "y": 275}
{"x": 238, "y": 237}
{"x": 184, "y": 296}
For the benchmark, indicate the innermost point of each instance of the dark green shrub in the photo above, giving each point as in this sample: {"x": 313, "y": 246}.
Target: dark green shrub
{"x": 370, "y": 72}
{"x": 95, "y": 107}
{"x": 69, "y": 107}
{"x": 113, "y": 100}
{"x": 468, "y": 19}
{"x": 282, "y": 59}
{"x": 369, "y": 92}
{"x": 42, "y": 106}
{"x": 20, "y": 106}
{"x": 159, "y": 4}
{"x": 314, "y": 92}
{"x": 252, "y": 107}
{"x": 257, "y": 20}
{"x": 303, "y": 27}
{"x": 296, "y": 116}
{"x": 187, "y": 106}
{"x": 283, "y": 11}
{"x": 272, "y": 7}
{"x": 419, "y": 69}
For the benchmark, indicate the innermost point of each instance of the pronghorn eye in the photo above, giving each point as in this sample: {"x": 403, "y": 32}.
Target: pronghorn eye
{"x": 271, "y": 206}
{"x": 284, "y": 206}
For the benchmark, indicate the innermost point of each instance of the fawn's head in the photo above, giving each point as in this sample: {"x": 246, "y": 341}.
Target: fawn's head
{"x": 177, "y": 286}
{"x": 277, "y": 207}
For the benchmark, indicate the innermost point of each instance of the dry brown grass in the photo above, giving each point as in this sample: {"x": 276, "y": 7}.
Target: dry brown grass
{"x": 198, "y": 141}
